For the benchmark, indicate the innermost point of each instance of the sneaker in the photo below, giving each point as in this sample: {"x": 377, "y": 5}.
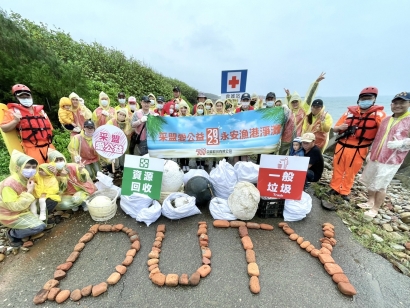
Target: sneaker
{"x": 14, "y": 242}
{"x": 74, "y": 209}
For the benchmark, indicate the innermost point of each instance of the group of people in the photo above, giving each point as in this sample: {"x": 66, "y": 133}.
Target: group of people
{"x": 41, "y": 179}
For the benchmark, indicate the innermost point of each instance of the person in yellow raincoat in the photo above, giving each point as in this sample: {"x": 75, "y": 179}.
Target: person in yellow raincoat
{"x": 75, "y": 184}
{"x": 17, "y": 194}
{"x": 46, "y": 189}
{"x": 122, "y": 103}
{"x": 318, "y": 122}
{"x": 153, "y": 102}
{"x": 104, "y": 112}
{"x": 66, "y": 116}
{"x": 80, "y": 111}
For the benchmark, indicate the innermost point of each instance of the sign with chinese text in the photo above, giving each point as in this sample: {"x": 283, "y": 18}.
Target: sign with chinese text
{"x": 244, "y": 133}
{"x": 233, "y": 83}
{"x": 282, "y": 177}
{"x": 110, "y": 141}
{"x": 142, "y": 175}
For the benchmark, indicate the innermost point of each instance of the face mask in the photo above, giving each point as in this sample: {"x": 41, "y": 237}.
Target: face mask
{"x": 152, "y": 102}
{"x": 132, "y": 107}
{"x": 28, "y": 173}
{"x": 89, "y": 134}
{"x": 104, "y": 102}
{"x": 60, "y": 165}
{"x": 366, "y": 104}
{"x": 200, "y": 111}
{"x": 208, "y": 107}
{"x": 121, "y": 100}
{"x": 269, "y": 104}
{"x": 160, "y": 106}
{"x": 26, "y": 102}
{"x": 171, "y": 111}
{"x": 253, "y": 103}
{"x": 245, "y": 104}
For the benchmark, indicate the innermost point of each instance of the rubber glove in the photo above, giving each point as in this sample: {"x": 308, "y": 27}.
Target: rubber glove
{"x": 77, "y": 129}
{"x": 105, "y": 112}
{"x": 395, "y": 144}
{"x": 77, "y": 159}
{"x": 143, "y": 119}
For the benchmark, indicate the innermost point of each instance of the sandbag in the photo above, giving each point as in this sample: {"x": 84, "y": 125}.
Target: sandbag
{"x": 195, "y": 172}
{"x": 220, "y": 210}
{"x": 295, "y": 210}
{"x": 150, "y": 214}
{"x": 200, "y": 188}
{"x": 133, "y": 204}
{"x": 244, "y": 200}
{"x": 247, "y": 171}
{"x": 223, "y": 178}
{"x": 172, "y": 178}
{"x": 184, "y": 210}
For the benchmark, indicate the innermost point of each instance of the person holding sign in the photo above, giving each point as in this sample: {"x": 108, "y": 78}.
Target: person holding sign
{"x": 138, "y": 123}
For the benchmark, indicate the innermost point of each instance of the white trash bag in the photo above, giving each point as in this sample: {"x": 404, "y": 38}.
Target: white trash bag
{"x": 247, "y": 171}
{"x": 149, "y": 214}
{"x": 179, "y": 205}
{"x": 223, "y": 179}
{"x": 295, "y": 210}
{"x": 220, "y": 210}
{"x": 105, "y": 182}
{"x": 244, "y": 200}
{"x": 133, "y": 204}
{"x": 195, "y": 172}
{"x": 172, "y": 178}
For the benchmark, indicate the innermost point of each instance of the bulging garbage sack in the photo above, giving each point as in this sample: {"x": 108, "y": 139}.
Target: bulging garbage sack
{"x": 149, "y": 214}
{"x": 172, "y": 178}
{"x": 184, "y": 209}
{"x": 220, "y": 210}
{"x": 223, "y": 178}
{"x": 133, "y": 204}
{"x": 244, "y": 200}
{"x": 295, "y": 210}
{"x": 247, "y": 171}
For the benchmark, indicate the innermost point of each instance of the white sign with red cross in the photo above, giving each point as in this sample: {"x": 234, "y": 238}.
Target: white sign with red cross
{"x": 110, "y": 141}
{"x": 233, "y": 83}
{"x": 282, "y": 177}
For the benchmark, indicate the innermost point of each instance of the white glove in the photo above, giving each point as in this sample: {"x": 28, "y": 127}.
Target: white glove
{"x": 395, "y": 144}
{"x": 77, "y": 159}
{"x": 77, "y": 129}
{"x": 144, "y": 119}
{"x": 105, "y": 112}
{"x": 156, "y": 114}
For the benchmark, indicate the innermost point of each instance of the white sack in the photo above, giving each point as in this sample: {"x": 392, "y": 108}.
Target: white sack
{"x": 223, "y": 178}
{"x": 247, "y": 171}
{"x": 185, "y": 210}
{"x": 149, "y": 214}
{"x": 295, "y": 210}
{"x": 244, "y": 200}
{"x": 172, "y": 178}
{"x": 105, "y": 182}
{"x": 133, "y": 204}
{"x": 220, "y": 210}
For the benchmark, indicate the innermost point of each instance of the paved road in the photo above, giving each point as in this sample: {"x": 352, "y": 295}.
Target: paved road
{"x": 290, "y": 277}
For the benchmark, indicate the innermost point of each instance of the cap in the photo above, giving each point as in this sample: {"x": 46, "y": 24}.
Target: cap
{"x": 160, "y": 99}
{"x": 201, "y": 94}
{"x": 120, "y": 94}
{"x": 89, "y": 123}
{"x": 176, "y": 89}
{"x": 145, "y": 99}
{"x": 132, "y": 99}
{"x": 245, "y": 96}
{"x": 308, "y": 137}
{"x": 317, "y": 103}
{"x": 271, "y": 95}
{"x": 297, "y": 139}
{"x": 403, "y": 95}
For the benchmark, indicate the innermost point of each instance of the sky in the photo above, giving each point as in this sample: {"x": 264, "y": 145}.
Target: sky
{"x": 282, "y": 44}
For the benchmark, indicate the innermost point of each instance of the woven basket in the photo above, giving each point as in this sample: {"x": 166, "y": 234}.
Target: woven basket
{"x": 103, "y": 212}
{"x": 165, "y": 194}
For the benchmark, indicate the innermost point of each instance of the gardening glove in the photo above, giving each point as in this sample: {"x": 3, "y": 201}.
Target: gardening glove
{"x": 77, "y": 159}
{"x": 77, "y": 129}
{"x": 105, "y": 112}
{"x": 156, "y": 114}
{"x": 143, "y": 119}
{"x": 395, "y": 144}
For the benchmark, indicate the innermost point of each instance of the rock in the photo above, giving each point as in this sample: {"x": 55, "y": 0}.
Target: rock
{"x": 161, "y": 228}
{"x": 136, "y": 245}
{"x": 206, "y": 252}
{"x": 387, "y": 227}
{"x": 160, "y": 234}
{"x": 315, "y": 253}
{"x": 204, "y": 237}
{"x": 266, "y": 227}
{"x": 396, "y": 236}
{"x": 75, "y": 295}
{"x": 37, "y": 236}
{"x": 65, "y": 215}
{"x": 86, "y": 291}
{"x": 299, "y": 240}
{"x": 325, "y": 258}
{"x": 340, "y": 278}
{"x": 41, "y": 296}
{"x": 367, "y": 218}
{"x": 86, "y": 237}
{"x": 183, "y": 280}
{"x": 310, "y": 248}
{"x": 134, "y": 238}
{"x": 65, "y": 266}
{"x": 250, "y": 256}
{"x": 153, "y": 255}
{"x": 221, "y": 223}
{"x": 28, "y": 244}
{"x": 304, "y": 244}
{"x": 171, "y": 280}
{"x": 204, "y": 270}
{"x": 127, "y": 261}
{"x": 51, "y": 284}
{"x": 346, "y": 288}
{"x": 121, "y": 269}
{"x": 152, "y": 261}
{"x": 407, "y": 245}
{"x": 73, "y": 256}
{"x": 79, "y": 247}
{"x": 377, "y": 238}
{"x": 405, "y": 217}
{"x": 104, "y": 228}
{"x": 59, "y": 274}
{"x": 157, "y": 244}
{"x": 94, "y": 229}
{"x": 131, "y": 252}
{"x": 2, "y": 257}
{"x": 247, "y": 242}
{"x": 154, "y": 271}
{"x": 254, "y": 285}
{"x": 158, "y": 279}
{"x": 151, "y": 267}
{"x": 202, "y": 226}
{"x": 201, "y": 231}
{"x": 375, "y": 220}
{"x": 237, "y": 223}
{"x": 243, "y": 231}
{"x": 332, "y": 268}
{"x": 53, "y": 293}
{"x": 404, "y": 227}
{"x": 282, "y": 224}
{"x": 206, "y": 261}
{"x": 99, "y": 289}
{"x": 288, "y": 230}
{"x": 253, "y": 269}
{"x": 386, "y": 217}
{"x": 293, "y": 236}
{"x": 328, "y": 233}
{"x": 62, "y": 296}
{"x": 114, "y": 278}
{"x": 253, "y": 225}
{"x": 328, "y": 224}
{"x": 327, "y": 246}
{"x": 397, "y": 247}
{"x": 201, "y": 222}
{"x": 118, "y": 227}
{"x": 194, "y": 279}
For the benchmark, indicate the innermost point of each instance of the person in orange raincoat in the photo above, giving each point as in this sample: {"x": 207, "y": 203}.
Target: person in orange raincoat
{"x": 31, "y": 122}
{"x": 357, "y": 129}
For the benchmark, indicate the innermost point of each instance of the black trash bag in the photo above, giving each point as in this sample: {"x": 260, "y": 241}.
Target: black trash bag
{"x": 200, "y": 188}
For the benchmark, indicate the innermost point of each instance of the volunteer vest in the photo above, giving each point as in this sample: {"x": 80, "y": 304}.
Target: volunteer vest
{"x": 87, "y": 152}
{"x": 101, "y": 119}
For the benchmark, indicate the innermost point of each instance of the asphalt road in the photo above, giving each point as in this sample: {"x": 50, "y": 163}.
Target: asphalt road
{"x": 289, "y": 276}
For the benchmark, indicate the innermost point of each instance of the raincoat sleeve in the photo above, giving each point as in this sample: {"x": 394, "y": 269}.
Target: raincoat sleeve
{"x": 94, "y": 116}
{"x": 65, "y": 116}
{"x": 310, "y": 94}
{"x": 74, "y": 147}
{"x": 87, "y": 114}
{"x": 14, "y": 202}
{"x": 82, "y": 175}
{"x": 327, "y": 123}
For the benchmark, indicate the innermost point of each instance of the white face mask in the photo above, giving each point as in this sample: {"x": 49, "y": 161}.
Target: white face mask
{"x": 208, "y": 107}
{"x": 160, "y": 106}
{"x": 121, "y": 100}
{"x": 26, "y": 102}
{"x": 104, "y": 102}
{"x": 177, "y": 106}
{"x": 60, "y": 165}
{"x": 28, "y": 173}
{"x": 89, "y": 134}
{"x": 245, "y": 104}
{"x": 269, "y": 103}
{"x": 152, "y": 102}
{"x": 200, "y": 111}
{"x": 133, "y": 107}
{"x": 171, "y": 111}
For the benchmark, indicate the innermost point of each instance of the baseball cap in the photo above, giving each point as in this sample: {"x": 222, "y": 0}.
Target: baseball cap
{"x": 176, "y": 89}
{"x": 403, "y": 95}
{"x": 271, "y": 95}
{"x": 160, "y": 99}
{"x": 145, "y": 99}
{"x": 308, "y": 137}
{"x": 201, "y": 94}
{"x": 317, "y": 103}
{"x": 132, "y": 99}
{"x": 245, "y": 96}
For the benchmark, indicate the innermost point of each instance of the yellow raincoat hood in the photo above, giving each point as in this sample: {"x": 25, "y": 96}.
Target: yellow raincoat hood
{"x": 65, "y": 101}
{"x": 223, "y": 106}
{"x": 102, "y": 94}
{"x": 54, "y": 154}
{"x": 203, "y": 106}
{"x": 152, "y": 107}
{"x": 184, "y": 104}
{"x": 208, "y": 101}
{"x": 17, "y": 162}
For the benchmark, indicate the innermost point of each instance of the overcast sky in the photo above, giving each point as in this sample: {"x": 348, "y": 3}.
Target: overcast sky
{"x": 281, "y": 43}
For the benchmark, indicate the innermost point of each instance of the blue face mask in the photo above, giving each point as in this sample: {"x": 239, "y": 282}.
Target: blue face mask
{"x": 366, "y": 104}
{"x": 28, "y": 173}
